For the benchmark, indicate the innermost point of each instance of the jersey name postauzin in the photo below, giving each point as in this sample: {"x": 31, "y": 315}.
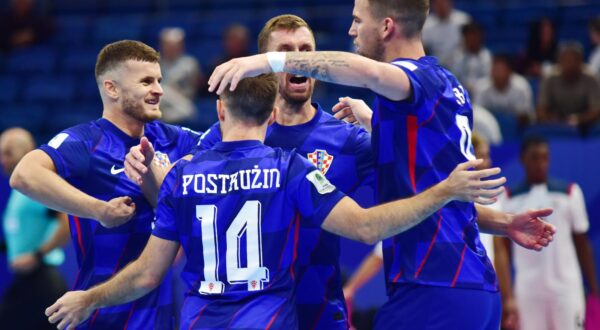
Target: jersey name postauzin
{"x": 218, "y": 183}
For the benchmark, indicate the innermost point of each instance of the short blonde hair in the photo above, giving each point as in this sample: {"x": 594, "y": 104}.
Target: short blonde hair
{"x": 282, "y": 22}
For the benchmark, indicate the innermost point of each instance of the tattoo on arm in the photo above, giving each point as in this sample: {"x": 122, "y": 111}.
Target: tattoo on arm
{"x": 319, "y": 65}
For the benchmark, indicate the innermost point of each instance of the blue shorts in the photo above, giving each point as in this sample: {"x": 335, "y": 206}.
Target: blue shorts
{"x": 413, "y": 306}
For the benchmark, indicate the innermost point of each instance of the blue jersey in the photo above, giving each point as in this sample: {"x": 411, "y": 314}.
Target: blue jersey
{"x": 343, "y": 154}
{"x": 236, "y": 210}
{"x": 90, "y": 157}
{"x": 417, "y": 143}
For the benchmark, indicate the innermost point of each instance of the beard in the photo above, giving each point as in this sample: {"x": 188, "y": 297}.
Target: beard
{"x": 296, "y": 99}
{"x": 135, "y": 110}
{"x": 373, "y": 50}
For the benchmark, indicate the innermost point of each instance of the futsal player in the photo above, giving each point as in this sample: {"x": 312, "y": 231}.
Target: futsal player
{"x": 421, "y": 129}
{"x": 82, "y": 167}
{"x": 235, "y": 210}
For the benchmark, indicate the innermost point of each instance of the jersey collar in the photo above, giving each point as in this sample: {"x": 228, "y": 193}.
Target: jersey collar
{"x": 233, "y": 145}
{"x": 312, "y": 122}
{"x": 109, "y": 126}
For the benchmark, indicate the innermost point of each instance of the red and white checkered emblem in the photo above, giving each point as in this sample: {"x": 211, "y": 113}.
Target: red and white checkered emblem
{"x": 321, "y": 159}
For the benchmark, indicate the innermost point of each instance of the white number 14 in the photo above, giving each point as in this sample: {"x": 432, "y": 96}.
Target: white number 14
{"x": 246, "y": 222}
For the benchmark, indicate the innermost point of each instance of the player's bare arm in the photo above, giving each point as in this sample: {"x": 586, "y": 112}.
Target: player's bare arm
{"x": 526, "y": 228}
{"x": 36, "y": 177}
{"x": 133, "y": 282}
{"x": 353, "y": 111}
{"x": 374, "y": 224}
{"x": 336, "y": 67}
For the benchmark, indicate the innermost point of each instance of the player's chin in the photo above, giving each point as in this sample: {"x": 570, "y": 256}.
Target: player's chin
{"x": 153, "y": 113}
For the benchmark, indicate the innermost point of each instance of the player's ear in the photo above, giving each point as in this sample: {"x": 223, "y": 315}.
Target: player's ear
{"x": 272, "y": 116}
{"x": 387, "y": 28}
{"x": 220, "y": 110}
{"x": 110, "y": 88}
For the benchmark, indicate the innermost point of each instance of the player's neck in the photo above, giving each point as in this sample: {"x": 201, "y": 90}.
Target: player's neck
{"x": 125, "y": 123}
{"x": 241, "y": 132}
{"x": 291, "y": 114}
{"x": 404, "y": 48}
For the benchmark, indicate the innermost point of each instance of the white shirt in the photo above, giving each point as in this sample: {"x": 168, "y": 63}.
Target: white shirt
{"x": 470, "y": 68}
{"x": 442, "y": 37}
{"x": 553, "y": 272}
{"x": 486, "y": 125}
{"x": 515, "y": 99}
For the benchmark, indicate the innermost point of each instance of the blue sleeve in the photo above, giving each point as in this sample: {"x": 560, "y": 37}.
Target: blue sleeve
{"x": 188, "y": 139}
{"x": 309, "y": 190}
{"x": 211, "y": 137}
{"x": 417, "y": 84}
{"x": 365, "y": 166}
{"x": 71, "y": 155}
{"x": 165, "y": 226}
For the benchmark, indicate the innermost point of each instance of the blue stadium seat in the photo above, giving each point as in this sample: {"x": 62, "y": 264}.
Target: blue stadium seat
{"x": 10, "y": 85}
{"x": 594, "y": 132}
{"x": 578, "y": 14}
{"x": 79, "y": 60}
{"x": 113, "y": 28}
{"x": 41, "y": 59}
{"x": 527, "y": 14}
{"x": 87, "y": 89}
{"x": 30, "y": 117}
{"x": 67, "y": 115}
{"x": 508, "y": 126}
{"x": 154, "y": 24}
{"x": 89, "y": 7}
{"x": 207, "y": 114}
{"x": 552, "y": 131}
{"x": 71, "y": 30}
{"x": 50, "y": 89}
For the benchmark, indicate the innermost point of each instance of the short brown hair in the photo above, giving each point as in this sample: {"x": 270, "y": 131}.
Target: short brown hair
{"x": 282, "y": 22}
{"x": 253, "y": 98}
{"x": 410, "y": 14}
{"x": 121, "y": 51}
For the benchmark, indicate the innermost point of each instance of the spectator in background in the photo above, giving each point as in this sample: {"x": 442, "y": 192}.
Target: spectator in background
{"x": 486, "y": 124}
{"x": 472, "y": 61}
{"x": 548, "y": 291}
{"x": 181, "y": 77}
{"x": 542, "y": 48}
{"x": 22, "y": 27}
{"x": 236, "y": 43}
{"x": 505, "y": 92}
{"x": 570, "y": 95}
{"x": 595, "y": 55}
{"x": 442, "y": 30}
{"x": 33, "y": 236}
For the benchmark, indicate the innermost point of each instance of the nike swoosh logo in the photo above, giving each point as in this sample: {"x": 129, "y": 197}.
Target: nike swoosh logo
{"x": 115, "y": 171}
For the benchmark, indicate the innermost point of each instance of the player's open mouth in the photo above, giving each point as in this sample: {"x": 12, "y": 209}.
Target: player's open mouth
{"x": 298, "y": 84}
{"x": 153, "y": 101}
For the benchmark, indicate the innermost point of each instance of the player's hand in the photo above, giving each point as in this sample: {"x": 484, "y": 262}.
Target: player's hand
{"x": 510, "y": 314}
{"x": 138, "y": 160}
{"x": 70, "y": 310}
{"x": 529, "y": 231}
{"x": 231, "y": 72}
{"x": 467, "y": 185}
{"x": 116, "y": 212}
{"x": 353, "y": 111}
{"x": 25, "y": 263}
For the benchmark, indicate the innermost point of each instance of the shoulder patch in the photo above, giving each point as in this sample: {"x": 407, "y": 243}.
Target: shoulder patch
{"x": 320, "y": 182}
{"x": 407, "y": 65}
{"x": 58, "y": 140}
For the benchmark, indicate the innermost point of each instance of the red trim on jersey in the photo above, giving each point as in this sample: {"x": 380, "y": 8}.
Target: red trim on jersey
{"x": 295, "y": 256}
{"x": 507, "y": 192}
{"x": 129, "y": 316}
{"x": 119, "y": 261}
{"x": 437, "y": 103}
{"x": 76, "y": 279}
{"x": 325, "y": 301}
{"x": 437, "y": 230}
{"x": 94, "y": 318}
{"x": 197, "y": 317}
{"x": 398, "y": 276}
{"x": 462, "y": 258}
{"x": 412, "y": 127}
{"x": 273, "y": 318}
{"x": 78, "y": 231}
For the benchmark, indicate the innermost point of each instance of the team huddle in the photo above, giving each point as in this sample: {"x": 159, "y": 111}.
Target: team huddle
{"x": 258, "y": 202}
